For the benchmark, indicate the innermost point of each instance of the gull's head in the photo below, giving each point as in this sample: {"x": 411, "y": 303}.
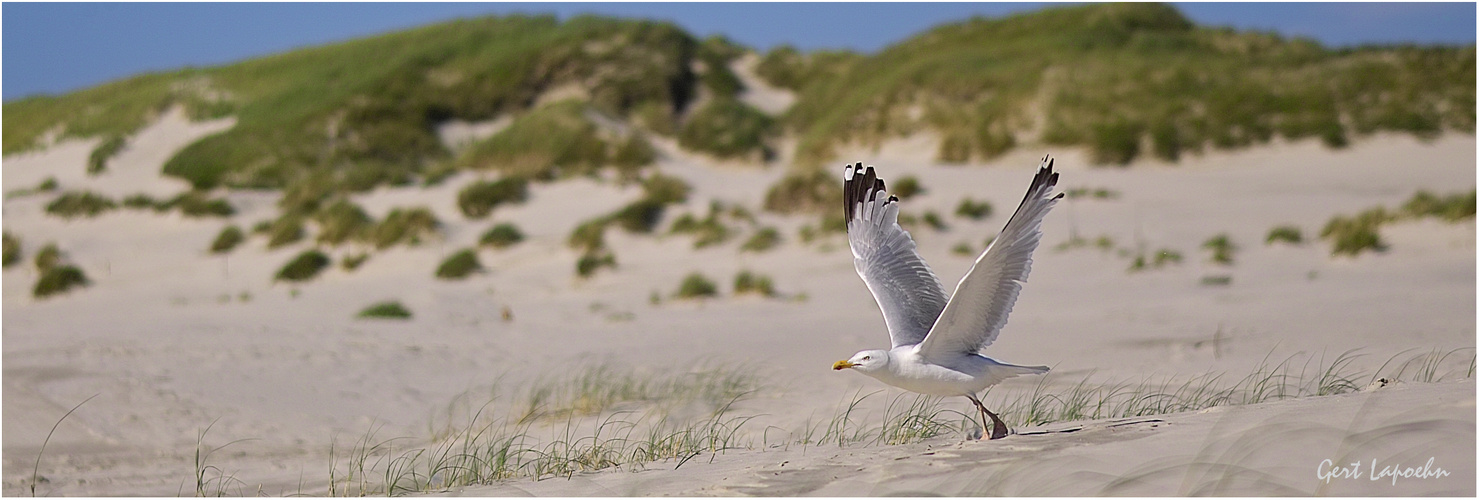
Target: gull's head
{"x": 864, "y": 361}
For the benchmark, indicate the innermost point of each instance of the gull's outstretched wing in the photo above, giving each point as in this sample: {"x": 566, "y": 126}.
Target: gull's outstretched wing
{"x": 904, "y": 286}
{"x": 984, "y": 297}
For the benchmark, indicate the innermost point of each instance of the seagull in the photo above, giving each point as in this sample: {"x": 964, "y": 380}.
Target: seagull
{"x": 937, "y": 338}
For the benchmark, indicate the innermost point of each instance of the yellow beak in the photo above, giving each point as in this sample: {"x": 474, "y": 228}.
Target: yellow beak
{"x": 843, "y": 364}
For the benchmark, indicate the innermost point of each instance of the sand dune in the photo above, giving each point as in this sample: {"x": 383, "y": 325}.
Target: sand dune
{"x": 172, "y": 339}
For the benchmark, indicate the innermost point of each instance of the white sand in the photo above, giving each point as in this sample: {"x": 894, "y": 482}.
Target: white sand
{"x": 169, "y": 345}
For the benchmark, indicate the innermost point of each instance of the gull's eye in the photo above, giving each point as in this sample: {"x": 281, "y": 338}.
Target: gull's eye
{"x": 865, "y": 358}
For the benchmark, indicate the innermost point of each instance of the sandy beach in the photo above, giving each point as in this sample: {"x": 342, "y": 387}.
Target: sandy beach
{"x": 170, "y": 340}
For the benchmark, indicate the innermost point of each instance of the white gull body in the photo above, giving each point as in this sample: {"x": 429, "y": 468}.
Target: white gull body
{"x": 937, "y": 339}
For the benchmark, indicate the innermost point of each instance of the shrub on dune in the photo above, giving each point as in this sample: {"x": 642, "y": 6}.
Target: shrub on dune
{"x": 478, "y": 199}
{"x": 764, "y": 239}
{"x": 404, "y": 226}
{"x": 459, "y": 265}
{"x": 58, "y": 279}
{"x": 385, "y": 310}
{"x": 12, "y": 249}
{"x": 501, "y": 236}
{"x": 74, "y": 204}
{"x": 1286, "y": 234}
{"x": 227, "y": 239}
{"x": 593, "y": 261}
{"x": 342, "y": 221}
{"x": 304, "y": 267}
{"x": 286, "y": 230}
{"x": 695, "y": 285}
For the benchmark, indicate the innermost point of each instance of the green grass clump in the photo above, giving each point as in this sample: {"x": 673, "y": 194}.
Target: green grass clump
{"x": 48, "y": 257}
{"x": 805, "y": 191}
{"x": 97, "y": 161}
{"x": 285, "y": 230}
{"x": 763, "y": 240}
{"x": 1353, "y": 235}
{"x": 74, "y": 204}
{"x": 459, "y": 265}
{"x": 1287, "y": 234}
{"x": 385, "y": 310}
{"x": 342, "y": 221}
{"x": 478, "y": 199}
{"x": 1452, "y": 208}
{"x": 549, "y": 142}
{"x": 934, "y": 221}
{"x": 501, "y": 236}
{"x": 747, "y": 282}
{"x": 641, "y": 216}
{"x": 140, "y": 201}
{"x": 588, "y": 236}
{"x": 963, "y": 249}
{"x": 197, "y": 204}
{"x": 728, "y": 128}
{"x": 227, "y": 239}
{"x": 58, "y": 279}
{"x": 12, "y": 249}
{"x": 695, "y": 285}
{"x": 633, "y": 153}
{"x": 305, "y": 266}
{"x": 1222, "y": 248}
{"x": 906, "y": 187}
{"x": 353, "y": 261}
{"x": 1095, "y": 193}
{"x": 972, "y": 209}
{"x": 404, "y": 225}
{"x": 593, "y": 261}
{"x": 665, "y": 189}
{"x": 785, "y": 67}
{"x": 708, "y": 231}
{"x": 1162, "y": 258}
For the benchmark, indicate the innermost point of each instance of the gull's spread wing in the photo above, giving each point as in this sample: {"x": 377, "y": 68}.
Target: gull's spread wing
{"x": 904, "y": 286}
{"x": 984, "y": 297}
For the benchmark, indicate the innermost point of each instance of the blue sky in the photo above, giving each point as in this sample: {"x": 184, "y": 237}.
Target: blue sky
{"x": 59, "y": 47}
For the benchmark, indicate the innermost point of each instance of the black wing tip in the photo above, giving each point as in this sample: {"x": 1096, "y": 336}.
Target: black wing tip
{"x": 859, "y": 184}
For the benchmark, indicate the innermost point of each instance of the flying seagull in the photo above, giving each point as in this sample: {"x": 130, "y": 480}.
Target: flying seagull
{"x": 937, "y": 338}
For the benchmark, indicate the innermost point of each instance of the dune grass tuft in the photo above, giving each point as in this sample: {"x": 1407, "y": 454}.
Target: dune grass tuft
{"x": 285, "y": 230}
{"x": 1451, "y": 208}
{"x": 478, "y": 199}
{"x": 1222, "y": 248}
{"x": 906, "y": 187}
{"x": 59, "y": 279}
{"x": 342, "y": 221}
{"x": 1286, "y": 234}
{"x": 227, "y": 239}
{"x": 972, "y": 209}
{"x": 593, "y": 261}
{"x": 305, "y": 266}
{"x": 410, "y": 226}
{"x": 749, "y": 282}
{"x": 763, "y": 240}
{"x": 385, "y": 310}
{"x": 1353, "y": 235}
{"x": 696, "y": 286}
{"x": 74, "y": 204}
{"x": 97, "y": 161}
{"x": 502, "y": 235}
{"x": 197, "y": 204}
{"x": 459, "y": 265}
{"x": 48, "y": 257}
{"x": 12, "y": 249}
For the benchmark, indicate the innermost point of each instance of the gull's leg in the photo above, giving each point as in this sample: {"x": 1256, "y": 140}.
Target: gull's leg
{"x": 998, "y": 430}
